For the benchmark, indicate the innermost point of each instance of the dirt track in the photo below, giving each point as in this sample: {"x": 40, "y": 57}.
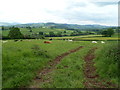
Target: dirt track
{"x": 39, "y": 78}
{"x": 92, "y": 78}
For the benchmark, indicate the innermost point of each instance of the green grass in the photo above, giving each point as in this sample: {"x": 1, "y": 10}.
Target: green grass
{"x": 72, "y": 76}
{"x": 116, "y": 35}
{"x": 37, "y": 30}
{"x": 22, "y": 60}
{"x": 107, "y": 61}
{"x": 89, "y": 37}
{"x": 96, "y": 38}
{"x": 20, "y": 63}
{"x": 69, "y": 73}
{"x": 73, "y": 37}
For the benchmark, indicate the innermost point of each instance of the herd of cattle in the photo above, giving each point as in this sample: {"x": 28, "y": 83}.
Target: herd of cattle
{"x": 48, "y": 42}
{"x": 96, "y": 42}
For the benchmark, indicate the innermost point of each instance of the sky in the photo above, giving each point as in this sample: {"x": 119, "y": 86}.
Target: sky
{"x": 103, "y": 12}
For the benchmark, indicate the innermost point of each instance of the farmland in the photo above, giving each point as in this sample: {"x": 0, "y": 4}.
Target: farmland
{"x": 22, "y": 52}
{"x": 89, "y": 37}
{"x": 37, "y": 30}
{"x": 59, "y": 44}
{"x": 23, "y": 60}
{"x": 69, "y": 59}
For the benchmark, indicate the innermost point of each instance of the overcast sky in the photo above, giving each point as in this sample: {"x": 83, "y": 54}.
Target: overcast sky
{"x": 103, "y": 12}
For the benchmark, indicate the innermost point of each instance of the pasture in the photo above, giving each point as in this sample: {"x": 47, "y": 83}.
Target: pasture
{"x": 89, "y": 38}
{"x": 23, "y": 60}
{"x": 26, "y": 31}
{"x": 20, "y": 59}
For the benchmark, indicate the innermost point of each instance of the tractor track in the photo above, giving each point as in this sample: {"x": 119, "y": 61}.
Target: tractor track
{"x": 39, "y": 78}
{"x": 91, "y": 77}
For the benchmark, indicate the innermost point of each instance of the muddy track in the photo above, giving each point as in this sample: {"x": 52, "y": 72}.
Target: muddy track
{"x": 91, "y": 77}
{"x": 39, "y": 78}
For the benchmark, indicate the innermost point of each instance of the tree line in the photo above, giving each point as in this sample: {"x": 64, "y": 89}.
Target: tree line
{"x": 15, "y": 33}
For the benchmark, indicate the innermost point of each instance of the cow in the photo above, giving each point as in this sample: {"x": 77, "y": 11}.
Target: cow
{"x": 47, "y": 42}
{"x": 4, "y": 41}
{"x": 50, "y": 39}
{"x": 16, "y": 40}
{"x": 70, "y": 40}
{"x": 94, "y": 41}
{"x": 102, "y": 42}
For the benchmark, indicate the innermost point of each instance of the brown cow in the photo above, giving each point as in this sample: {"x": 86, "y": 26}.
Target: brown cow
{"x": 47, "y": 42}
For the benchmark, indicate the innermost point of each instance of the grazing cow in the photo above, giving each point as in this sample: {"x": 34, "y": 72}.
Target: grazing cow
{"x": 16, "y": 40}
{"x": 102, "y": 42}
{"x": 94, "y": 41}
{"x": 50, "y": 39}
{"x": 47, "y": 42}
{"x": 70, "y": 40}
{"x": 4, "y": 41}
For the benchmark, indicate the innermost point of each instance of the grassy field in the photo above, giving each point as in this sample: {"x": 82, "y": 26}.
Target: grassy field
{"x": 72, "y": 37}
{"x": 90, "y": 37}
{"x": 107, "y": 62}
{"x": 22, "y": 60}
{"x": 37, "y": 30}
{"x": 69, "y": 73}
{"x": 98, "y": 39}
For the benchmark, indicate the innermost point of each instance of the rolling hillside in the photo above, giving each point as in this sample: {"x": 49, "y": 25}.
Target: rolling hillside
{"x": 56, "y": 25}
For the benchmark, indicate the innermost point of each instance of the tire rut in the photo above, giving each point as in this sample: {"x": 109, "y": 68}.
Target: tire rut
{"x": 39, "y": 78}
{"x": 91, "y": 77}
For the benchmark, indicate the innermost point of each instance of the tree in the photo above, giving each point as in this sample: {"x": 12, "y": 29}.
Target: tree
{"x": 30, "y": 30}
{"x": 65, "y": 32}
{"x": 52, "y": 34}
{"x": 79, "y": 32}
{"x": 3, "y": 28}
{"x": 15, "y": 33}
{"x": 108, "y": 33}
{"x": 41, "y": 33}
{"x": 59, "y": 34}
{"x": 104, "y": 33}
{"x": 28, "y": 27}
{"x": 73, "y": 34}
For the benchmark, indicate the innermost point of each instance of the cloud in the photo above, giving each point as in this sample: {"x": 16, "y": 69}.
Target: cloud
{"x": 105, "y": 3}
{"x": 60, "y": 11}
{"x": 89, "y": 13}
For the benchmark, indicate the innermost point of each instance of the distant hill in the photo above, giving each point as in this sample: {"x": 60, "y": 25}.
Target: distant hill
{"x": 7, "y": 24}
{"x": 56, "y": 25}
{"x": 75, "y": 26}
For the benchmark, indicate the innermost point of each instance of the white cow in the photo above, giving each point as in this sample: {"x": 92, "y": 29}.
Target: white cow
{"x": 102, "y": 42}
{"x": 70, "y": 40}
{"x": 4, "y": 41}
{"x": 94, "y": 41}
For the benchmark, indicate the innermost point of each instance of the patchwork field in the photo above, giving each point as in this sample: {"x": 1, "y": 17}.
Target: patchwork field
{"x": 24, "y": 61}
{"x": 89, "y": 37}
{"x": 26, "y": 31}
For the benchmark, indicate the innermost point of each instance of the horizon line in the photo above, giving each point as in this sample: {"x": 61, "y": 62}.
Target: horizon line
{"x": 55, "y": 23}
